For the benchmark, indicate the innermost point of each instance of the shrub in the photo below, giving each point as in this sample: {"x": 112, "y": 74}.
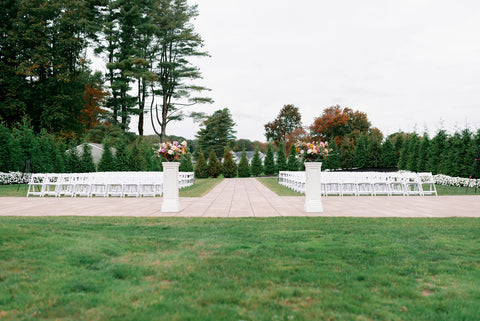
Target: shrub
{"x": 269, "y": 163}
{"x": 121, "y": 160}
{"x": 214, "y": 166}
{"x": 281, "y": 159}
{"x": 201, "y": 168}
{"x": 292, "y": 163}
{"x": 137, "y": 157}
{"x": 243, "y": 168}
{"x": 86, "y": 159}
{"x": 186, "y": 164}
{"x": 256, "y": 167}
{"x": 229, "y": 167}
{"x": 107, "y": 163}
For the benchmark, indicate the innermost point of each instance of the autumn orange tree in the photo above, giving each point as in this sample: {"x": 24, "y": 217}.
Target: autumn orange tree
{"x": 337, "y": 122}
{"x": 94, "y": 97}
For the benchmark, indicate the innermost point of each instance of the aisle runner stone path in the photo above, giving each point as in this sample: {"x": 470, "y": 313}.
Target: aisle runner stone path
{"x": 245, "y": 197}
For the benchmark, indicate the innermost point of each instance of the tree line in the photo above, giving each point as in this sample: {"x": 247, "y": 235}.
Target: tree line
{"x": 146, "y": 47}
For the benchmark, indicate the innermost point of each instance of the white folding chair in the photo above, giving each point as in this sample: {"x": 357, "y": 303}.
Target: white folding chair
{"x": 36, "y": 184}
{"x": 428, "y": 183}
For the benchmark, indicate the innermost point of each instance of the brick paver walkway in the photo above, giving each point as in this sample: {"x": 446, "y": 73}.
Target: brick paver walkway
{"x": 246, "y": 197}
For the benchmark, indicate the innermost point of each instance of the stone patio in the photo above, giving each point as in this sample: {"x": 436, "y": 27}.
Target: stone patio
{"x": 246, "y": 197}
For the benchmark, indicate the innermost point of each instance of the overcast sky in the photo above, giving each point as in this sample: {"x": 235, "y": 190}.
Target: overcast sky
{"x": 409, "y": 64}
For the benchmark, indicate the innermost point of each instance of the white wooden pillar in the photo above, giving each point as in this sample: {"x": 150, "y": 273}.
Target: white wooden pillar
{"x": 313, "y": 187}
{"x": 171, "y": 201}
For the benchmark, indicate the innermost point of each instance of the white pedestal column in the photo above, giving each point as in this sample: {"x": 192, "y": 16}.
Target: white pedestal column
{"x": 170, "y": 187}
{"x": 313, "y": 187}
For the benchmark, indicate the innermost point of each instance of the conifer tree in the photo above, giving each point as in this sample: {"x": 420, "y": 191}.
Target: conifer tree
{"x": 403, "y": 159}
{"x": 269, "y": 163}
{"x": 333, "y": 159}
{"x": 73, "y": 161}
{"x": 121, "y": 160}
{"x": 186, "y": 164}
{"x": 388, "y": 154}
{"x": 229, "y": 168}
{"x": 423, "y": 153}
{"x": 214, "y": 166}
{"x": 281, "y": 159}
{"x": 8, "y": 157}
{"x": 374, "y": 151}
{"x": 436, "y": 152}
{"x": 87, "y": 159}
{"x": 256, "y": 167}
{"x": 469, "y": 155}
{"x": 360, "y": 154}
{"x": 413, "y": 152}
{"x": 292, "y": 163}
{"x": 137, "y": 159}
{"x": 106, "y": 163}
{"x": 201, "y": 167}
{"x": 243, "y": 168}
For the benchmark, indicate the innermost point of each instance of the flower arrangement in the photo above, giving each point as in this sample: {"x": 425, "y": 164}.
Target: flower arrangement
{"x": 311, "y": 152}
{"x": 172, "y": 151}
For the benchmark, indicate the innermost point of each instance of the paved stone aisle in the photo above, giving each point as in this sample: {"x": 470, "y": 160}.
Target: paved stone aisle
{"x": 245, "y": 197}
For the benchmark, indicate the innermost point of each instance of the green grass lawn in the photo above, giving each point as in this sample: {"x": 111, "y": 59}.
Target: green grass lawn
{"x": 272, "y": 184}
{"x": 200, "y": 188}
{"x": 77, "y": 268}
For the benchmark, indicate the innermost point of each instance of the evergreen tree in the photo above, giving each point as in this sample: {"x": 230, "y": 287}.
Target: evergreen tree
{"x": 374, "y": 151}
{"x": 137, "y": 157}
{"x": 256, "y": 167}
{"x": 403, "y": 159}
{"x": 347, "y": 149}
{"x": 269, "y": 163}
{"x": 214, "y": 166}
{"x": 470, "y": 150}
{"x": 201, "y": 167}
{"x": 218, "y": 132}
{"x": 7, "y": 153}
{"x": 333, "y": 160}
{"x": 388, "y": 154}
{"x": 73, "y": 161}
{"x": 186, "y": 164}
{"x": 360, "y": 153}
{"x": 436, "y": 152}
{"x": 229, "y": 168}
{"x": 413, "y": 152}
{"x": 106, "y": 163}
{"x": 281, "y": 159}
{"x": 243, "y": 168}
{"x": 86, "y": 159}
{"x": 292, "y": 163}
{"x": 60, "y": 156}
{"x": 122, "y": 163}
{"x": 423, "y": 153}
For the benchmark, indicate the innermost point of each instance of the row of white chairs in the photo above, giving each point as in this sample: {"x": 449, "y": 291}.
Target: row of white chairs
{"x": 105, "y": 184}
{"x": 364, "y": 183}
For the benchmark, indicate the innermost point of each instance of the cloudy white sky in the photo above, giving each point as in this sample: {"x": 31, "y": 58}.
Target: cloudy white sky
{"x": 410, "y": 64}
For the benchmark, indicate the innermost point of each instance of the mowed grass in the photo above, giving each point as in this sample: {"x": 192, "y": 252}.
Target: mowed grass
{"x": 73, "y": 268}
{"x": 200, "y": 188}
{"x": 280, "y": 190}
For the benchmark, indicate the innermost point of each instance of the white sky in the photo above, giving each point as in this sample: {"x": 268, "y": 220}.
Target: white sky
{"x": 409, "y": 64}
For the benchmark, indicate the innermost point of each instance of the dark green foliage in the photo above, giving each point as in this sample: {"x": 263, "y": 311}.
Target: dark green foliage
{"x": 374, "y": 151}
{"x": 214, "y": 166}
{"x": 403, "y": 159}
{"x": 281, "y": 158}
{"x": 186, "y": 164}
{"x": 437, "y": 152}
{"x": 87, "y": 159}
{"x": 423, "y": 153}
{"x": 292, "y": 163}
{"x": 9, "y": 158}
{"x": 229, "y": 168}
{"x": 201, "y": 167}
{"x": 243, "y": 168}
{"x": 388, "y": 154}
{"x": 218, "y": 132}
{"x": 107, "y": 162}
{"x": 269, "y": 162}
{"x": 413, "y": 152}
{"x": 333, "y": 160}
{"x": 347, "y": 150}
{"x": 121, "y": 160}
{"x": 138, "y": 156}
{"x": 360, "y": 157}
{"x": 256, "y": 167}
{"x": 73, "y": 162}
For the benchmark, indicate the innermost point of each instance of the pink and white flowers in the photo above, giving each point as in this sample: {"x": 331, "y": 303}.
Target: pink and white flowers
{"x": 172, "y": 151}
{"x": 312, "y": 151}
